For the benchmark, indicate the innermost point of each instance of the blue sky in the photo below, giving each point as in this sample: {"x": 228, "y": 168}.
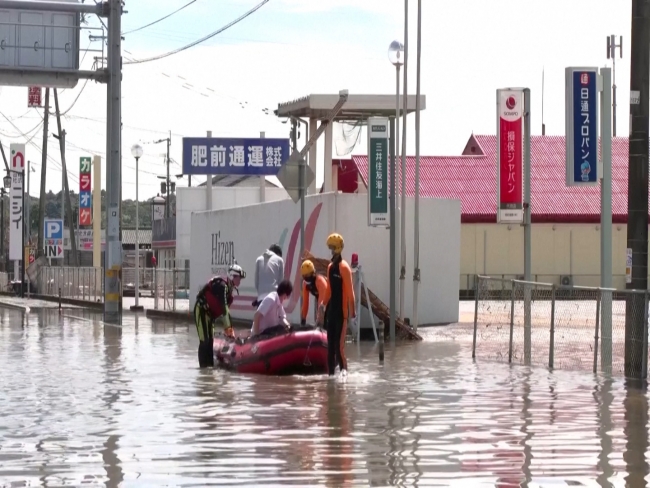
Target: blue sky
{"x": 291, "y": 48}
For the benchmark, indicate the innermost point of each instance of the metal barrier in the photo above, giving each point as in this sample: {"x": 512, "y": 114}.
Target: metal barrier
{"x": 84, "y": 283}
{"x": 557, "y": 326}
{"x": 146, "y": 284}
{"x": 171, "y": 289}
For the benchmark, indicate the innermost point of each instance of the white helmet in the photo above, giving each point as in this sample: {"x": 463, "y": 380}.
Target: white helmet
{"x": 236, "y": 270}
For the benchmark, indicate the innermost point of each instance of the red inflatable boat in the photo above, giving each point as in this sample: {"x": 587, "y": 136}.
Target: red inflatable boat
{"x": 276, "y": 352}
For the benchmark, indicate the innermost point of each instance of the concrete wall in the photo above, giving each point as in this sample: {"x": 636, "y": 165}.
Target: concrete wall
{"x": 244, "y": 232}
{"x": 193, "y": 199}
{"x": 557, "y": 249}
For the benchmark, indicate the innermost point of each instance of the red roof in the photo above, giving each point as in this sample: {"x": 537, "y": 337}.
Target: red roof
{"x": 472, "y": 179}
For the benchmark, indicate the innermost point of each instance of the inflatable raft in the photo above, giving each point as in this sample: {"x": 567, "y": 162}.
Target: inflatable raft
{"x": 276, "y": 352}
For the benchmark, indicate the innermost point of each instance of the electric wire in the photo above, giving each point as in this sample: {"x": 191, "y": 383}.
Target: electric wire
{"x": 203, "y": 39}
{"x": 160, "y": 19}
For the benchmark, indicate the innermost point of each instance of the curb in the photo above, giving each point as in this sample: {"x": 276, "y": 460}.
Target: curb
{"x": 188, "y": 317}
{"x": 14, "y": 306}
{"x": 64, "y": 301}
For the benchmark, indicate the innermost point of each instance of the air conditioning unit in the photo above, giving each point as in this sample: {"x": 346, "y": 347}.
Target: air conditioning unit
{"x": 566, "y": 280}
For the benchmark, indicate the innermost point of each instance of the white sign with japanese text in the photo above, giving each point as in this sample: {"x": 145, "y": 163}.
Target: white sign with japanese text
{"x": 17, "y": 167}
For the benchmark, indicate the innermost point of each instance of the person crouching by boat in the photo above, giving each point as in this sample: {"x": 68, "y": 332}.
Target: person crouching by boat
{"x": 313, "y": 284}
{"x": 269, "y": 272}
{"x": 339, "y": 302}
{"x": 212, "y": 304}
{"x": 270, "y": 313}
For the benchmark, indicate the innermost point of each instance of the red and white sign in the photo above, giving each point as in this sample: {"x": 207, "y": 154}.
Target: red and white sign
{"x": 510, "y": 156}
{"x": 84, "y": 182}
{"x": 18, "y": 157}
{"x": 85, "y": 217}
{"x": 35, "y": 96}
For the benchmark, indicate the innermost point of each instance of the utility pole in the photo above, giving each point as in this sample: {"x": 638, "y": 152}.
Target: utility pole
{"x": 169, "y": 193}
{"x": 167, "y": 178}
{"x": 637, "y": 202}
{"x": 66, "y": 191}
{"x": 4, "y": 157}
{"x": 611, "y": 54}
{"x": 113, "y": 261}
{"x": 41, "y": 201}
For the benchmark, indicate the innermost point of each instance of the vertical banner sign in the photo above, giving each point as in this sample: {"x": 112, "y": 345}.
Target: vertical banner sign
{"x": 34, "y": 96}
{"x": 378, "y": 171}
{"x": 581, "y": 112}
{"x": 510, "y": 156}
{"x": 85, "y": 212}
{"x": 17, "y": 167}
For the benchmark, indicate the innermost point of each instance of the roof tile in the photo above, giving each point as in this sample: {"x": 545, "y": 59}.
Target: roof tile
{"x": 472, "y": 179}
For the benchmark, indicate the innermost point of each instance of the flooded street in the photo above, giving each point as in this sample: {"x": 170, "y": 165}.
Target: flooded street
{"x": 88, "y": 404}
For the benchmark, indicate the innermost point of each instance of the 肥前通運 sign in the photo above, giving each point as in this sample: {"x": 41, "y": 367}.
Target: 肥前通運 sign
{"x": 85, "y": 210}
{"x": 581, "y": 96}
{"x": 510, "y": 155}
{"x": 226, "y": 156}
{"x": 378, "y": 171}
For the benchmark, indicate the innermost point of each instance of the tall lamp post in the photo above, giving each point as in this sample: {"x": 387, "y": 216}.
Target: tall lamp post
{"x": 396, "y": 57}
{"x": 136, "y": 152}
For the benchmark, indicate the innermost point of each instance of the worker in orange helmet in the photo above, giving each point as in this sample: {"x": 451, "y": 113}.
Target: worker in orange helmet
{"x": 339, "y": 302}
{"x": 313, "y": 284}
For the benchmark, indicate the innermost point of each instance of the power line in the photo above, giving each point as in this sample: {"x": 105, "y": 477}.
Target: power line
{"x": 160, "y": 19}
{"x": 203, "y": 39}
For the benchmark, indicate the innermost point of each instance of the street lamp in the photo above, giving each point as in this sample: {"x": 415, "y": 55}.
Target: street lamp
{"x": 136, "y": 152}
{"x": 395, "y": 55}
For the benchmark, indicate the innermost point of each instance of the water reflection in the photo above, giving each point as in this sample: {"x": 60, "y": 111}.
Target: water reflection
{"x": 114, "y": 386}
{"x": 339, "y": 443}
{"x": 635, "y": 431}
{"x": 83, "y": 402}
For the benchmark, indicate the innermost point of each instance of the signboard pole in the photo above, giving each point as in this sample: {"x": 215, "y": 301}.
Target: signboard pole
{"x": 606, "y": 129}
{"x": 527, "y": 230}
{"x": 393, "y": 234}
{"x": 24, "y": 229}
{"x": 97, "y": 220}
{"x": 208, "y": 184}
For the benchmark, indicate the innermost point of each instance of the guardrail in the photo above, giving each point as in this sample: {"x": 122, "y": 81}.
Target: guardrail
{"x": 559, "y": 327}
{"x": 80, "y": 283}
{"x": 171, "y": 289}
{"x": 168, "y": 287}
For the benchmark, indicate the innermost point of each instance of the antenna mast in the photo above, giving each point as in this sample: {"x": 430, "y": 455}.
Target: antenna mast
{"x": 543, "y": 124}
{"x": 611, "y": 54}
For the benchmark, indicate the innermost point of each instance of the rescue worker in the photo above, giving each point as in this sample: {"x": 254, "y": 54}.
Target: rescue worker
{"x": 316, "y": 285}
{"x": 212, "y": 304}
{"x": 340, "y": 304}
{"x": 269, "y": 272}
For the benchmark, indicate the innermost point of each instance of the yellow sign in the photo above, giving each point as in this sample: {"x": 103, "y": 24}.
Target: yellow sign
{"x": 30, "y": 254}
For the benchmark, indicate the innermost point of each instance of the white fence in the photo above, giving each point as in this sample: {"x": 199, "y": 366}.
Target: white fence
{"x": 167, "y": 289}
{"x": 83, "y": 283}
{"x": 171, "y": 290}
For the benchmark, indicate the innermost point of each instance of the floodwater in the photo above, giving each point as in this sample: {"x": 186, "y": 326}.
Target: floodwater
{"x": 84, "y": 404}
